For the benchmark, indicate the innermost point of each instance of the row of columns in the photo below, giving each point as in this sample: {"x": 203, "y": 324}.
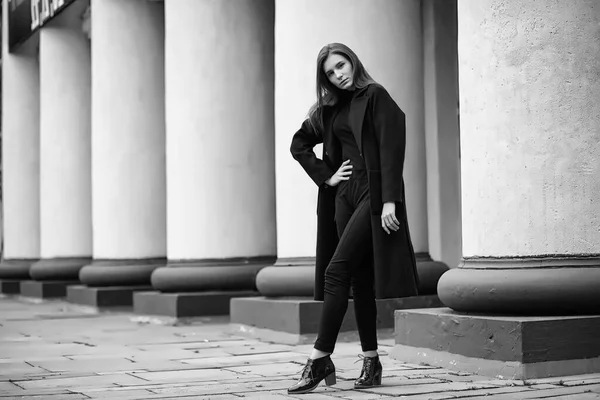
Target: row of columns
{"x": 156, "y": 139}
{"x": 186, "y": 165}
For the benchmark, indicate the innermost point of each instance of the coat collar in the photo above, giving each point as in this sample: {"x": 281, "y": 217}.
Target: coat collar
{"x": 358, "y": 107}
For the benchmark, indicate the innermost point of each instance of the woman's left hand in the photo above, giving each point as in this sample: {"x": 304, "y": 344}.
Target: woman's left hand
{"x": 388, "y": 218}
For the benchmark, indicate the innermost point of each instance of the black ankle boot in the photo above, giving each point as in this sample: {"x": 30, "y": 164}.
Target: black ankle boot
{"x": 314, "y": 372}
{"x": 371, "y": 373}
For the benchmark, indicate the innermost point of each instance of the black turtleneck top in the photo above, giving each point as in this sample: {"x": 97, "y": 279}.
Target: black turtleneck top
{"x": 343, "y": 132}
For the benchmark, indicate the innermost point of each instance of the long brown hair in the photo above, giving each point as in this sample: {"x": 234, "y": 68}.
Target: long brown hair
{"x": 329, "y": 94}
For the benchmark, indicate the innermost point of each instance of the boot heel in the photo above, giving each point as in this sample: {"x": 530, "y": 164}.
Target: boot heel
{"x": 330, "y": 379}
{"x": 377, "y": 380}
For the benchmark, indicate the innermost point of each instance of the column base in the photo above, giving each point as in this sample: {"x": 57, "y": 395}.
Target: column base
{"x": 45, "y": 289}
{"x": 56, "y": 269}
{"x": 16, "y": 268}
{"x": 10, "y": 286}
{"x": 430, "y": 272}
{"x": 291, "y": 277}
{"x": 297, "y": 319}
{"x": 104, "y": 297}
{"x": 498, "y": 346}
{"x": 236, "y": 274}
{"x": 181, "y": 305}
{"x": 295, "y": 277}
{"x": 524, "y": 286}
{"x": 125, "y": 272}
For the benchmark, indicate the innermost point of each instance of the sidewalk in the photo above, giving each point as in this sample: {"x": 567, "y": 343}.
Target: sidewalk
{"x": 54, "y": 350}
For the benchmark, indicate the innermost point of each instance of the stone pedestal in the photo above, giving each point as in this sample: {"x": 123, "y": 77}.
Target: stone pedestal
{"x": 10, "y": 286}
{"x": 506, "y": 347}
{"x": 296, "y": 320}
{"x": 220, "y": 167}
{"x": 104, "y": 297}
{"x": 65, "y": 148}
{"x": 531, "y": 237}
{"x": 20, "y": 156}
{"x": 45, "y": 289}
{"x": 181, "y": 305}
{"x": 128, "y": 146}
{"x": 288, "y": 306}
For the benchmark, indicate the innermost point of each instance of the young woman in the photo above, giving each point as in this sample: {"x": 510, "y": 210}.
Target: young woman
{"x": 363, "y": 241}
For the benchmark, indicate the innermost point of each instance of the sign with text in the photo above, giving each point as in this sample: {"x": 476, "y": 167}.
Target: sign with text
{"x": 27, "y": 16}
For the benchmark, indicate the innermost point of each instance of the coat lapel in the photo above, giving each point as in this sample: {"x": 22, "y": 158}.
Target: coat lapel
{"x": 358, "y": 107}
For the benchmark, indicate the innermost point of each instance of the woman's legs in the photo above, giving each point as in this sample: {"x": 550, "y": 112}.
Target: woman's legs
{"x": 351, "y": 259}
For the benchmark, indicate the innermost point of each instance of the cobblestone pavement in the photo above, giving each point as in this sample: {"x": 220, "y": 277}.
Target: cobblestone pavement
{"x": 55, "y": 350}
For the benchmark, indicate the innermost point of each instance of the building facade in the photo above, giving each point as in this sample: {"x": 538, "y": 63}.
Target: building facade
{"x": 147, "y": 143}
{"x": 140, "y": 134}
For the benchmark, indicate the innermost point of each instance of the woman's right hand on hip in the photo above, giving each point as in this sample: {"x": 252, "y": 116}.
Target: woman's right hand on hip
{"x": 342, "y": 174}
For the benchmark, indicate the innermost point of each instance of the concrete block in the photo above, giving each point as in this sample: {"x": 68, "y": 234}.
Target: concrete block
{"x": 10, "y": 286}
{"x": 112, "y": 296}
{"x": 502, "y": 346}
{"x": 45, "y": 289}
{"x": 299, "y": 318}
{"x": 186, "y": 304}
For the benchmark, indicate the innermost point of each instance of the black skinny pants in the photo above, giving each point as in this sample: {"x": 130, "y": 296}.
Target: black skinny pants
{"x": 350, "y": 266}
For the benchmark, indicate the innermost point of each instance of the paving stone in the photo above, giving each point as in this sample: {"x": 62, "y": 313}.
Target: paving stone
{"x": 491, "y": 393}
{"x": 98, "y": 365}
{"x": 285, "y": 369}
{"x": 579, "y": 396}
{"x": 458, "y": 378}
{"x": 266, "y": 396}
{"x": 577, "y": 382}
{"x": 259, "y": 348}
{"x": 254, "y": 359}
{"x": 96, "y": 380}
{"x": 9, "y": 387}
{"x": 394, "y": 386}
{"x": 60, "y": 396}
{"x": 18, "y": 368}
{"x": 357, "y": 395}
{"x": 215, "y": 397}
{"x": 564, "y": 379}
{"x": 196, "y": 375}
{"x": 543, "y": 393}
{"x": 219, "y": 389}
{"x": 118, "y": 393}
{"x": 322, "y": 394}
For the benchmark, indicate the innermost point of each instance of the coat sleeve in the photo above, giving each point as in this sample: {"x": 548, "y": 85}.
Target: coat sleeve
{"x": 303, "y": 142}
{"x": 390, "y": 130}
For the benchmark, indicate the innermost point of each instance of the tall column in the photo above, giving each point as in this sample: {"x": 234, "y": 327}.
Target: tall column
{"x": 530, "y": 145}
{"x": 20, "y": 156}
{"x": 398, "y": 68}
{"x": 220, "y": 156}
{"x": 65, "y": 148}
{"x": 128, "y": 142}
{"x": 530, "y": 140}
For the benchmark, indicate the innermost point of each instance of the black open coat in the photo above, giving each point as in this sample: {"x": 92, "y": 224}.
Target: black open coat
{"x": 378, "y": 125}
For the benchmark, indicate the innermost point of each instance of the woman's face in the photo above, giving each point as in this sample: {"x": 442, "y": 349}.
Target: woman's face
{"x": 339, "y": 71}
